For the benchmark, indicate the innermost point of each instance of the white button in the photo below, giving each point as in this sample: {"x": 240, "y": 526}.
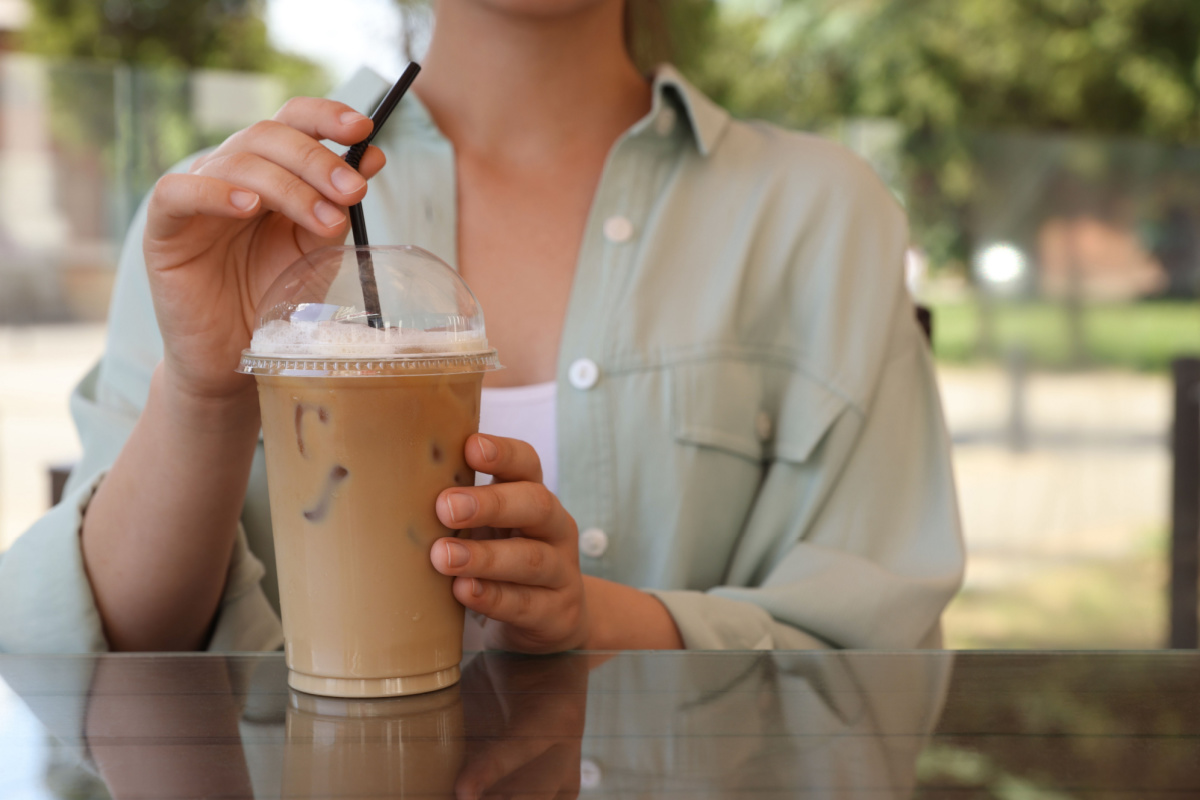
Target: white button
{"x": 589, "y": 774}
{"x": 583, "y": 373}
{"x": 665, "y": 122}
{"x": 593, "y": 542}
{"x": 762, "y": 425}
{"x": 618, "y": 229}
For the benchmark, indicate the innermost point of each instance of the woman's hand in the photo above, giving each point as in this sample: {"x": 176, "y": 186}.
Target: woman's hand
{"x": 217, "y": 236}
{"x": 517, "y": 561}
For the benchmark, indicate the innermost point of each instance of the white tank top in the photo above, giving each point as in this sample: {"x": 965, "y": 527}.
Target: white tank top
{"x": 527, "y": 413}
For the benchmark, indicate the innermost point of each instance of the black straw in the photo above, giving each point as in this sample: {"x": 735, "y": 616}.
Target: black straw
{"x": 358, "y": 223}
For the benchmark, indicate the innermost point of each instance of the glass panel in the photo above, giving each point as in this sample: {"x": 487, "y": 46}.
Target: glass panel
{"x": 828, "y": 724}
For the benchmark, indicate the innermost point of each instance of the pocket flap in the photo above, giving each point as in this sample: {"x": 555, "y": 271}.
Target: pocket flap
{"x": 750, "y": 409}
{"x": 806, "y": 410}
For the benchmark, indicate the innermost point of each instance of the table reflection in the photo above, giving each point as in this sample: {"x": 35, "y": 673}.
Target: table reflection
{"x": 773, "y": 725}
{"x": 648, "y": 725}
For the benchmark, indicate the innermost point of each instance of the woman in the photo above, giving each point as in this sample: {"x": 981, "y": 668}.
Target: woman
{"x": 748, "y": 431}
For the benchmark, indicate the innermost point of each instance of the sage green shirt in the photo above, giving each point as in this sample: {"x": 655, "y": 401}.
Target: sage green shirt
{"x": 755, "y": 426}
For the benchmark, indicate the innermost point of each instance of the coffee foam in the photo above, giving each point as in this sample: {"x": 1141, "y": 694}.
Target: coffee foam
{"x": 333, "y": 339}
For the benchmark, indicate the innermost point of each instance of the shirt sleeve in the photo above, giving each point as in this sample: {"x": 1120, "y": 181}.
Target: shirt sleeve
{"x": 879, "y": 556}
{"x": 46, "y": 601}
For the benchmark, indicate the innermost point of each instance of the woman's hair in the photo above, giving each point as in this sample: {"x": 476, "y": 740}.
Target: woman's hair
{"x": 647, "y": 34}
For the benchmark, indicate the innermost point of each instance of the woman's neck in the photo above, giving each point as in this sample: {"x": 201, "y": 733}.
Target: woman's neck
{"x": 527, "y": 89}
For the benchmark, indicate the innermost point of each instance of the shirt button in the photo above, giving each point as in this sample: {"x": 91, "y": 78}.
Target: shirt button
{"x": 762, "y": 425}
{"x": 593, "y": 542}
{"x": 664, "y": 124}
{"x": 618, "y": 229}
{"x": 583, "y": 373}
{"x": 589, "y": 774}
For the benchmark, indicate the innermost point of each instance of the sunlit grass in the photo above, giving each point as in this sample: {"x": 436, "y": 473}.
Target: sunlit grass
{"x": 1081, "y": 604}
{"x": 1141, "y": 336}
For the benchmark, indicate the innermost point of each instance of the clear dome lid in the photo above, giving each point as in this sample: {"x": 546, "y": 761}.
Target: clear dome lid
{"x": 368, "y": 311}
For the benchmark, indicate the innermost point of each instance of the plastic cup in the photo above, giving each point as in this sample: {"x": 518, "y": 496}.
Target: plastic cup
{"x": 363, "y": 427}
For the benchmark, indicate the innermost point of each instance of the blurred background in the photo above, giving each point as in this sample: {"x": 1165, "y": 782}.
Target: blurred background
{"x": 1045, "y": 151}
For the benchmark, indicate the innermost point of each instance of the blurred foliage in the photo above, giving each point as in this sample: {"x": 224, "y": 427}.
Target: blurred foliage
{"x": 945, "y": 68}
{"x": 122, "y": 76}
{"x": 180, "y": 34}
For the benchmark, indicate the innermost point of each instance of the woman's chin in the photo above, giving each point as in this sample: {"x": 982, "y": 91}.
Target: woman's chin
{"x": 539, "y": 9}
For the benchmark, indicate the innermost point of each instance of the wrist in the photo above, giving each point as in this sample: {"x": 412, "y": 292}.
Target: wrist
{"x": 597, "y": 634}
{"x": 621, "y": 617}
{"x": 230, "y": 412}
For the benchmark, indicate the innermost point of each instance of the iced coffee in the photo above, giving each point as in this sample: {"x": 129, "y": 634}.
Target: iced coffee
{"x": 364, "y": 425}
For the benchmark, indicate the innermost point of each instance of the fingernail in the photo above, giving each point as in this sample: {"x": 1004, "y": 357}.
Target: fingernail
{"x": 351, "y": 117}
{"x": 243, "y": 200}
{"x": 488, "y": 449}
{"x": 457, "y": 554}
{"x": 329, "y": 214}
{"x": 476, "y": 588}
{"x": 346, "y": 180}
{"x": 462, "y": 507}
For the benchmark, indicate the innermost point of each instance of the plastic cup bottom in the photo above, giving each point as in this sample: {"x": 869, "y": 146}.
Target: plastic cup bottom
{"x": 373, "y": 687}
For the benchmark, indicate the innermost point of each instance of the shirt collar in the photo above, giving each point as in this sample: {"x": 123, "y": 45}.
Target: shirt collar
{"x": 706, "y": 120}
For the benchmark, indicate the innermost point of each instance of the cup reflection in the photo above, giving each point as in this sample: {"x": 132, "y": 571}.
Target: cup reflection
{"x": 394, "y": 747}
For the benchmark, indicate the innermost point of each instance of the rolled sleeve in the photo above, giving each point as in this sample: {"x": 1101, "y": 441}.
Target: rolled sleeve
{"x": 711, "y": 622}
{"x": 46, "y": 603}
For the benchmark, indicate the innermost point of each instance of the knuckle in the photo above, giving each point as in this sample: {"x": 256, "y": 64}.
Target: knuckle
{"x": 236, "y": 162}
{"x": 522, "y": 602}
{"x": 535, "y": 557}
{"x": 310, "y": 157}
{"x": 292, "y": 105}
{"x": 294, "y": 189}
{"x": 264, "y": 127}
{"x": 482, "y": 556}
{"x": 168, "y": 184}
{"x": 542, "y": 500}
{"x": 530, "y": 454}
{"x": 498, "y": 500}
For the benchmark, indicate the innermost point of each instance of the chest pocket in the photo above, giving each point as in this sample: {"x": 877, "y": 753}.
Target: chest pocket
{"x": 758, "y": 411}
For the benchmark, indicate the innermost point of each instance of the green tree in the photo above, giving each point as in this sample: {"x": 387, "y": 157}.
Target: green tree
{"x": 946, "y": 69}
{"x": 179, "y": 34}
{"x": 121, "y": 80}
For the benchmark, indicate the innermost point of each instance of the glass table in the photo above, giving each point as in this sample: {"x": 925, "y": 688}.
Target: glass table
{"x": 1036, "y": 726}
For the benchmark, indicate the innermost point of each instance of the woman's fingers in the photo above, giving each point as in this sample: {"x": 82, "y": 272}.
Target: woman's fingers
{"x": 296, "y": 153}
{"x": 178, "y": 197}
{"x": 318, "y": 118}
{"x": 514, "y": 560}
{"x": 372, "y": 161}
{"x": 541, "y": 613}
{"x": 504, "y": 459}
{"x": 529, "y": 506}
{"x": 283, "y": 164}
{"x": 499, "y": 759}
{"x": 280, "y": 190}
